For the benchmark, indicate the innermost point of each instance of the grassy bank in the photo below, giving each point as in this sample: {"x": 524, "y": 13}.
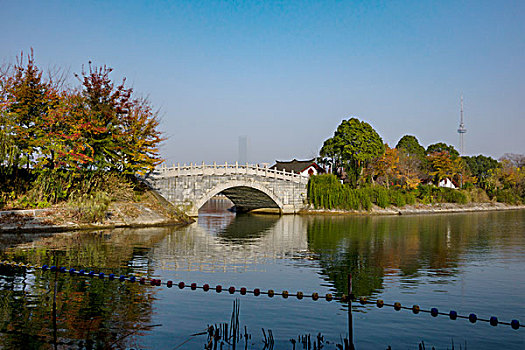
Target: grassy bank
{"x": 83, "y": 198}
{"x": 327, "y": 192}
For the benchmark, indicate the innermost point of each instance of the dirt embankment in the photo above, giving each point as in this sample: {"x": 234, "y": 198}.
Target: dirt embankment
{"x": 438, "y": 208}
{"x": 152, "y": 210}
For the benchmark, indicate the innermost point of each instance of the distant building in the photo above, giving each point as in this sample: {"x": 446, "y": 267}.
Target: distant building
{"x": 446, "y": 183}
{"x": 243, "y": 149}
{"x": 303, "y": 167}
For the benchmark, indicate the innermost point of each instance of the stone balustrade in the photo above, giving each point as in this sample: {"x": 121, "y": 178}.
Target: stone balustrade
{"x": 228, "y": 169}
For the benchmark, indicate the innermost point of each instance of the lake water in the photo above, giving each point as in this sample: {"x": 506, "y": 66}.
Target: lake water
{"x": 471, "y": 263}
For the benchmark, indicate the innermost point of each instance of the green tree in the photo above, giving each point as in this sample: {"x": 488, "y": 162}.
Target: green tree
{"x": 442, "y": 147}
{"x": 330, "y": 156}
{"x": 412, "y": 159}
{"x": 354, "y": 144}
{"x": 410, "y": 146}
{"x": 480, "y": 166}
{"x": 8, "y": 149}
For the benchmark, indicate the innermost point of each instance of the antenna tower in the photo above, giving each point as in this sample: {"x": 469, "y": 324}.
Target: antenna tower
{"x": 461, "y": 130}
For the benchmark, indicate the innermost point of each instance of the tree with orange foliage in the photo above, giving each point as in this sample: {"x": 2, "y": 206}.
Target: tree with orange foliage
{"x": 121, "y": 130}
{"x": 66, "y": 138}
{"x": 446, "y": 166}
{"x": 410, "y": 173}
{"x": 397, "y": 167}
{"x": 28, "y": 98}
{"x": 62, "y": 138}
{"x": 386, "y": 168}
{"x": 100, "y": 127}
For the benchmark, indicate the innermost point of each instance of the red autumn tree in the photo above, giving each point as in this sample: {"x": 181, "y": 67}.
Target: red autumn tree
{"x": 121, "y": 130}
{"x": 28, "y": 98}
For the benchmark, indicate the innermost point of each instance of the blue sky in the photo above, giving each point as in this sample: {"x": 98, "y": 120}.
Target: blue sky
{"x": 285, "y": 73}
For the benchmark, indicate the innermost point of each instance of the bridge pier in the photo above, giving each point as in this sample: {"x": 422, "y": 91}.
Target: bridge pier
{"x": 290, "y": 209}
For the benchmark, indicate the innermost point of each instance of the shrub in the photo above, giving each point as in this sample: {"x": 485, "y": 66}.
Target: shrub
{"x": 24, "y": 202}
{"x": 477, "y": 195}
{"x": 458, "y": 196}
{"x": 410, "y": 198}
{"x": 507, "y": 196}
{"x": 364, "y": 199}
{"x": 91, "y": 207}
{"x": 468, "y": 186}
{"x": 397, "y": 198}
{"x": 450, "y": 195}
{"x": 382, "y": 198}
{"x": 50, "y": 187}
{"x": 325, "y": 191}
{"x": 425, "y": 193}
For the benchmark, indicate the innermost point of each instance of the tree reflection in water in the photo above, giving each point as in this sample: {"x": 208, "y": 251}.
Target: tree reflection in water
{"x": 412, "y": 246}
{"x": 91, "y": 312}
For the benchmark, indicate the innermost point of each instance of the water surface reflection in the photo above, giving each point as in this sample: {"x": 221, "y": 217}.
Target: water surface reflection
{"x": 472, "y": 262}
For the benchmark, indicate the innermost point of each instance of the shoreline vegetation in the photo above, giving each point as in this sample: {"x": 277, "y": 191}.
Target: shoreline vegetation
{"x": 70, "y": 155}
{"x": 327, "y": 192}
{"x": 363, "y": 172}
{"x": 147, "y": 209}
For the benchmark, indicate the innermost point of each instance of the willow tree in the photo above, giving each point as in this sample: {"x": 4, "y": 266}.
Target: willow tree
{"x": 354, "y": 144}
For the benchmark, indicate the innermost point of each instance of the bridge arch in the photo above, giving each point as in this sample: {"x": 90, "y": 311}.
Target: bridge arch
{"x": 245, "y": 196}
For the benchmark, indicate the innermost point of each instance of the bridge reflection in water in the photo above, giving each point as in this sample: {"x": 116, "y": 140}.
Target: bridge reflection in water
{"x": 223, "y": 241}
{"x": 412, "y": 250}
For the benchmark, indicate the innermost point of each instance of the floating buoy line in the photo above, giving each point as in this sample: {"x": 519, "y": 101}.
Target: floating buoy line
{"x": 434, "y": 312}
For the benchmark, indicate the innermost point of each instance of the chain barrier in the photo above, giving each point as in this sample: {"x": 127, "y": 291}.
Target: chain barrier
{"x": 434, "y": 312}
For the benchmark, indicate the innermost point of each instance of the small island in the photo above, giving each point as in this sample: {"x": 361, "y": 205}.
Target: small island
{"x": 74, "y": 153}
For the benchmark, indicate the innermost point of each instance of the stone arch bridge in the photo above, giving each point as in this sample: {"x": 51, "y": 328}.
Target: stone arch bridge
{"x": 249, "y": 187}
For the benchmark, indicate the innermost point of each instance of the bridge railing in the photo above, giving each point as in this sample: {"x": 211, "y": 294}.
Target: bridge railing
{"x": 228, "y": 169}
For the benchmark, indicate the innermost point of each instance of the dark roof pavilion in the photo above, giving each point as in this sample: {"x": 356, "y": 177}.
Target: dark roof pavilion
{"x": 297, "y": 166}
